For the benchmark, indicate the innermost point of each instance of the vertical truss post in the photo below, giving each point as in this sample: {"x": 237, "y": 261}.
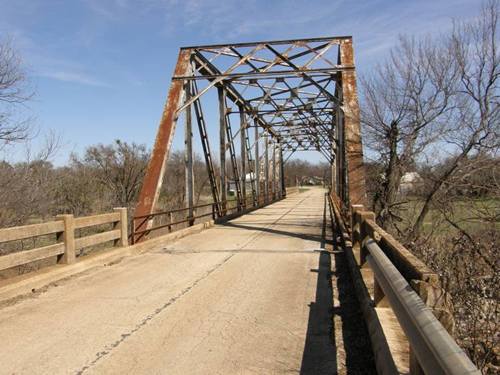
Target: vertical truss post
{"x": 206, "y": 151}
{"x": 188, "y": 156}
{"x": 243, "y": 156}
{"x": 251, "y": 166}
{"x": 153, "y": 179}
{"x": 257, "y": 165}
{"x": 266, "y": 168}
{"x": 333, "y": 171}
{"x": 340, "y": 151}
{"x": 353, "y": 145}
{"x": 274, "y": 190}
{"x": 222, "y": 138}
{"x": 334, "y": 152}
{"x": 281, "y": 174}
{"x": 234, "y": 164}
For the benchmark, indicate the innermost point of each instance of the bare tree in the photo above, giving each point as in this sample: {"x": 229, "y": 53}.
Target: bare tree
{"x": 27, "y": 187}
{"x": 78, "y": 190}
{"x": 476, "y": 120}
{"x": 120, "y": 168}
{"x": 301, "y": 170}
{"x": 405, "y": 109}
{"x": 14, "y": 93}
{"x": 434, "y": 107}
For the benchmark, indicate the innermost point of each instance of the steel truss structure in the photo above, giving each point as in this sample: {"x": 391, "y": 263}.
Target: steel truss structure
{"x": 274, "y": 98}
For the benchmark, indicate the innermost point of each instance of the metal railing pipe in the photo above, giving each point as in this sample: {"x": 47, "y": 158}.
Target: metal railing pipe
{"x": 436, "y": 351}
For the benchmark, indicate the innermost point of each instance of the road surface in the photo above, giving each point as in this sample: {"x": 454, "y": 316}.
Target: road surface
{"x": 261, "y": 294}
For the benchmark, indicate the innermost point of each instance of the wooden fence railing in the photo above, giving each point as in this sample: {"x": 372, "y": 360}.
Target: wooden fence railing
{"x": 66, "y": 244}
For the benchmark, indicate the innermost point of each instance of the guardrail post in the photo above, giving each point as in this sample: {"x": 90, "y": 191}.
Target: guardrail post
{"x": 365, "y": 215}
{"x": 359, "y": 234}
{"x": 122, "y": 225}
{"x": 68, "y": 237}
{"x": 379, "y": 298}
{"x": 356, "y": 231}
{"x": 170, "y": 219}
{"x": 438, "y": 300}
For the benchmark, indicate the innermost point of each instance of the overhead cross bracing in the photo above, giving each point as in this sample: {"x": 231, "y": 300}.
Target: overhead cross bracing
{"x": 288, "y": 88}
{"x": 275, "y": 98}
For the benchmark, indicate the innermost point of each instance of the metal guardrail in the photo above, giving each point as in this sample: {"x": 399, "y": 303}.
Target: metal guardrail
{"x": 139, "y": 221}
{"x": 435, "y": 349}
{"x": 137, "y": 235}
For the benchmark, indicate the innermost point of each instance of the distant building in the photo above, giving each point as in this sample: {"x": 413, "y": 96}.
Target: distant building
{"x": 410, "y": 182}
{"x": 231, "y": 185}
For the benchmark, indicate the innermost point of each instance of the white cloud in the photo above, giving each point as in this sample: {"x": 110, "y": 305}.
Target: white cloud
{"x": 375, "y": 25}
{"x": 41, "y": 63}
{"x": 73, "y": 77}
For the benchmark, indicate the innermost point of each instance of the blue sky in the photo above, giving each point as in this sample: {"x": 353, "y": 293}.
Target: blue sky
{"x": 101, "y": 68}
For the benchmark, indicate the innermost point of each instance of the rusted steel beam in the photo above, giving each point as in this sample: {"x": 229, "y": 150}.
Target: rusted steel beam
{"x": 243, "y": 154}
{"x": 266, "y": 166}
{"x": 219, "y": 78}
{"x": 339, "y": 144}
{"x": 304, "y": 73}
{"x": 231, "y": 92}
{"x": 273, "y": 182}
{"x": 225, "y": 52}
{"x": 188, "y": 157}
{"x": 296, "y": 114}
{"x": 153, "y": 179}
{"x": 257, "y": 164}
{"x": 282, "y": 172}
{"x": 339, "y": 39}
{"x": 352, "y": 129}
{"x": 293, "y": 73}
{"x": 202, "y": 129}
{"x": 234, "y": 164}
{"x": 333, "y": 166}
{"x": 222, "y": 147}
{"x": 341, "y": 165}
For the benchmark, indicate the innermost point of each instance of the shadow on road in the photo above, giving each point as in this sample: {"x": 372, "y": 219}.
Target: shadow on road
{"x": 309, "y": 237}
{"x": 320, "y": 349}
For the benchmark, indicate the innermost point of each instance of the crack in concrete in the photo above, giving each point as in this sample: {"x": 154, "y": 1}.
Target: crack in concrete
{"x": 107, "y": 349}
{"x": 236, "y": 251}
{"x": 260, "y": 233}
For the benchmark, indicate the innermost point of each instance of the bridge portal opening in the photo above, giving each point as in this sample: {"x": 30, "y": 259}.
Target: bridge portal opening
{"x": 271, "y": 99}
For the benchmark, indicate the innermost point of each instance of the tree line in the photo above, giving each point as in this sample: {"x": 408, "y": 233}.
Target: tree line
{"x": 431, "y": 111}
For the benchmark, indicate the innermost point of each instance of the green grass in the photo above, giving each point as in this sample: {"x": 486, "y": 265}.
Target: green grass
{"x": 469, "y": 214}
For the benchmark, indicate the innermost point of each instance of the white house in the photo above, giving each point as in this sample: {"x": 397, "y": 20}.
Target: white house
{"x": 409, "y": 182}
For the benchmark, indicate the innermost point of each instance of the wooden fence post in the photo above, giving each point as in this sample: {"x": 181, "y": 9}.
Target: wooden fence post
{"x": 68, "y": 237}
{"x": 123, "y": 226}
{"x": 364, "y": 215}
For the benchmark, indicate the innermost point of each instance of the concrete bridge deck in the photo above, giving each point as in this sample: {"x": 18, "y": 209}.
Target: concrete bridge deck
{"x": 264, "y": 293}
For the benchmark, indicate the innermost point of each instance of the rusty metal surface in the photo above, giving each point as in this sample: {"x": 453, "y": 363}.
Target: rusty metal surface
{"x": 352, "y": 129}
{"x": 301, "y": 93}
{"x": 156, "y": 168}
